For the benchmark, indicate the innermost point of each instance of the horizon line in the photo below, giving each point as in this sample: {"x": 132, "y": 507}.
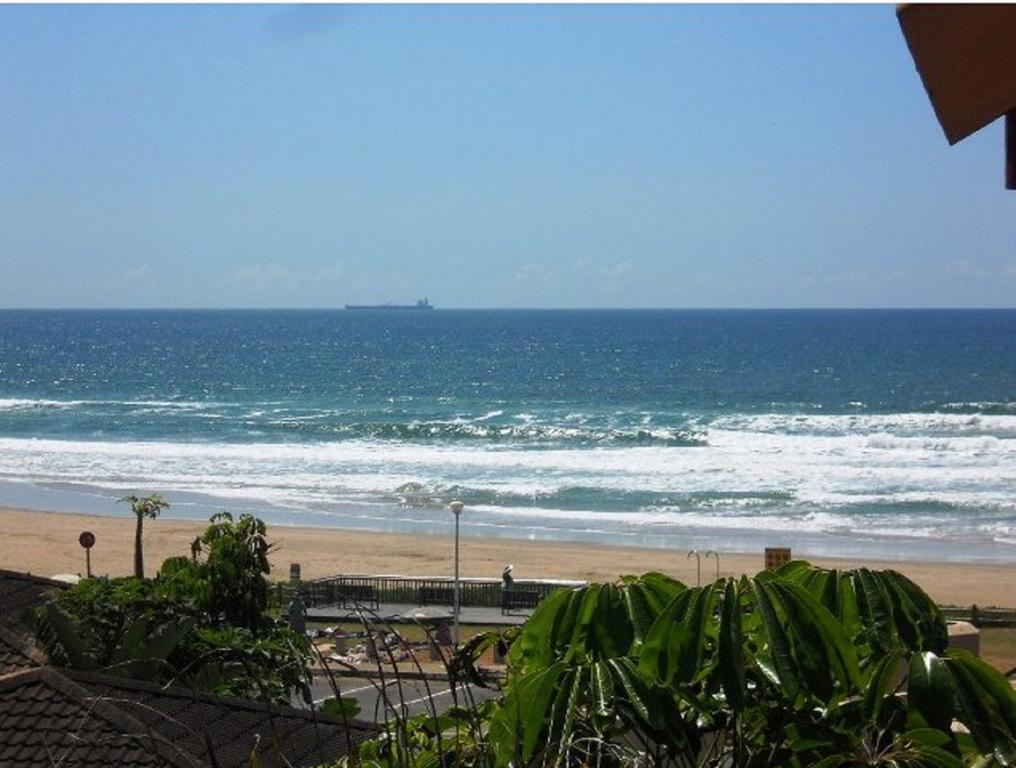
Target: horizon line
{"x": 524, "y": 309}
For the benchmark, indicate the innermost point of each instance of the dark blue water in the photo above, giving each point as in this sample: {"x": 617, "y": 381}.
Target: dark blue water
{"x": 849, "y": 426}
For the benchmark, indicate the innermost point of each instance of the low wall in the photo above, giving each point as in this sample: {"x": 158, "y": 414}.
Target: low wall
{"x": 963, "y": 634}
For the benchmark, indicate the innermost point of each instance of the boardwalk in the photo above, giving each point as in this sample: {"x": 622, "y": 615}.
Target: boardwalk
{"x": 393, "y": 613}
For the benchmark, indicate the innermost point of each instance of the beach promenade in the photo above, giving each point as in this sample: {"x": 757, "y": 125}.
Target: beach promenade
{"x": 47, "y": 543}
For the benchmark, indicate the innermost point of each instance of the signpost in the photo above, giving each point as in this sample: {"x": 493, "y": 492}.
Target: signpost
{"x": 87, "y": 540}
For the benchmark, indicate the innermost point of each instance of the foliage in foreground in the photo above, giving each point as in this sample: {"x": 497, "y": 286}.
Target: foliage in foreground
{"x": 202, "y": 621}
{"x": 802, "y": 667}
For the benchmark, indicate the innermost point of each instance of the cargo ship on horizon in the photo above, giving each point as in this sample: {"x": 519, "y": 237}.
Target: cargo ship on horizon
{"x": 420, "y": 304}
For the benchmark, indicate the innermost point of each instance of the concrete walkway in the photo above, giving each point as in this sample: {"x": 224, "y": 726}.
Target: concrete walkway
{"x": 397, "y": 613}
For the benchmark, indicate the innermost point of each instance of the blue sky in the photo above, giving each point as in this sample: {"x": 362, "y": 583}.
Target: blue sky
{"x": 486, "y": 156}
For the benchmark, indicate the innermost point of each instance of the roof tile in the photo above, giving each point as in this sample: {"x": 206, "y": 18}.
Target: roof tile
{"x": 90, "y": 720}
{"x": 19, "y": 592}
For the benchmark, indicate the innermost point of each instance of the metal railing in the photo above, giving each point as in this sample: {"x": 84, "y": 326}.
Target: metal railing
{"x": 417, "y": 590}
{"x": 981, "y": 617}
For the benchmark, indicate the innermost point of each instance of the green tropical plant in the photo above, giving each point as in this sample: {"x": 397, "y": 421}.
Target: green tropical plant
{"x": 141, "y": 652}
{"x": 201, "y": 621}
{"x": 236, "y": 568}
{"x": 800, "y": 667}
{"x": 143, "y": 507}
{"x": 232, "y": 661}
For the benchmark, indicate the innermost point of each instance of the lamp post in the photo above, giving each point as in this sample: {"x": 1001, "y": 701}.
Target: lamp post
{"x": 713, "y": 553}
{"x": 698, "y": 560}
{"x": 456, "y": 510}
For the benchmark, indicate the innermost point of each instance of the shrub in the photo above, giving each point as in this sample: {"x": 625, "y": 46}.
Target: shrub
{"x": 202, "y": 621}
{"x": 802, "y": 667}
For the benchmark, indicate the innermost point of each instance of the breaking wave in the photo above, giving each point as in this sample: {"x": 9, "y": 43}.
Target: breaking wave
{"x": 917, "y": 476}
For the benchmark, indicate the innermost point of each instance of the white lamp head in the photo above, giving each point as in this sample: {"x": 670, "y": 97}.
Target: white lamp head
{"x": 457, "y": 507}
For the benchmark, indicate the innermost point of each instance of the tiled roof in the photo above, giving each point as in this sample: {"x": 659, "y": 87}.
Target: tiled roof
{"x": 104, "y": 721}
{"x": 234, "y": 726}
{"x": 17, "y": 653}
{"x": 47, "y": 720}
{"x": 52, "y": 716}
{"x": 20, "y": 592}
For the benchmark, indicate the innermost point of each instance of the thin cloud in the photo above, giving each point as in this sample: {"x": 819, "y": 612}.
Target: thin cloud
{"x": 301, "y": 22}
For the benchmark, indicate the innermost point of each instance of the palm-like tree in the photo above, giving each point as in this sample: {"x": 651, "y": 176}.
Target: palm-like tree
{"x": 142, "y": 507}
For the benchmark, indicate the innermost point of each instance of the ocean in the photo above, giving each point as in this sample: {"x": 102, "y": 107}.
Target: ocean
{"x": 854, "y": 433}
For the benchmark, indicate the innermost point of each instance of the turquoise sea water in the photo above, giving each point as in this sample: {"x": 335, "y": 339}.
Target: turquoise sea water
{"x": 836, "y": 432}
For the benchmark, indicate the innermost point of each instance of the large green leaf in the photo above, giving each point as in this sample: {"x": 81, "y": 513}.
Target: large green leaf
{"x": 463, "y": 664}
{"x": 875, "y": 608}
{"x": 916, "y": 755}
{"x": 919, "y": 621}
{"x": 601, "y": 685}
{"x": 142, "y": 653}
{"x": 537, "y": 644}
{"x": 675, "y": 645}
{"x": 632, "y": 690}
{"x": 774, "y": 654}
{"x": 645, "y": 598}
{"x": 519, "y": 727}
{"x": 649, "y": 709}
{"x": 564, "y": 712}
{"x": 932, "y": 747}
{"x": 881, "y": 609}
{"x": 985, "y": 705}
{"x": 930, "y": 690}
{"x": 823, "y": 652}
{"x": 609, "y": 624}
{"x": 592, "y": 623}
{"x": 66, "y": 635}
{"x": 795, "y": 570}
{"x": 926, "y": 608}
{"x": 731, "y": 648}
{"x": 991, "y": 682}
{"x": 835, "y": 590}
{"x": 576, "y": 632}
{"x": 883, "y": 678}
{"x": 582, "y": 621}
{"x": 847, "y": 611}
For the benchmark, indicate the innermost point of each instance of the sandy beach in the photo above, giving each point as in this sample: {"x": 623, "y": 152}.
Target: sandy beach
{"x": 46, "y": 543}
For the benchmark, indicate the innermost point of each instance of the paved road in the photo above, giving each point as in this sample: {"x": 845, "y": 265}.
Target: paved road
{"x": 414, "y": 698}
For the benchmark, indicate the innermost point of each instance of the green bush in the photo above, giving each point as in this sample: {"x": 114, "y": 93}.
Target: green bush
{"x": 802, "y": 667}
{"x": 202, "y": 621}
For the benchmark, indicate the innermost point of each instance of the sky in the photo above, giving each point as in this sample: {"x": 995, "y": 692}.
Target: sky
{"x": 486, "y": 156}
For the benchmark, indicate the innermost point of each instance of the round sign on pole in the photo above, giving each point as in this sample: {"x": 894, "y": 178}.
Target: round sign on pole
{"x": 87, "y": 540}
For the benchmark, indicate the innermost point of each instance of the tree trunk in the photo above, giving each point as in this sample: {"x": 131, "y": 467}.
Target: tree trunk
{"x": 139, "y": 560}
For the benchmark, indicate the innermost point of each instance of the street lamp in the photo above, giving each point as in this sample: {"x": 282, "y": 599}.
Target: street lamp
{"x": 698, "y": 559}
{"x": 716, "y": 555}
{"x": 456, "y": 510}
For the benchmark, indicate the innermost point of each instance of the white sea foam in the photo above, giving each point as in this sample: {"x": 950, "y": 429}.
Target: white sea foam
{"x": 900, "y": 424}
{"x": 24, "y": 404}
{"x": 1007, "y": 406}
{"x": 152, "y": 406}
{"x": 489, "y": 415}
{"x": 916, "y": 475}
{"x": 180, "y": 405}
